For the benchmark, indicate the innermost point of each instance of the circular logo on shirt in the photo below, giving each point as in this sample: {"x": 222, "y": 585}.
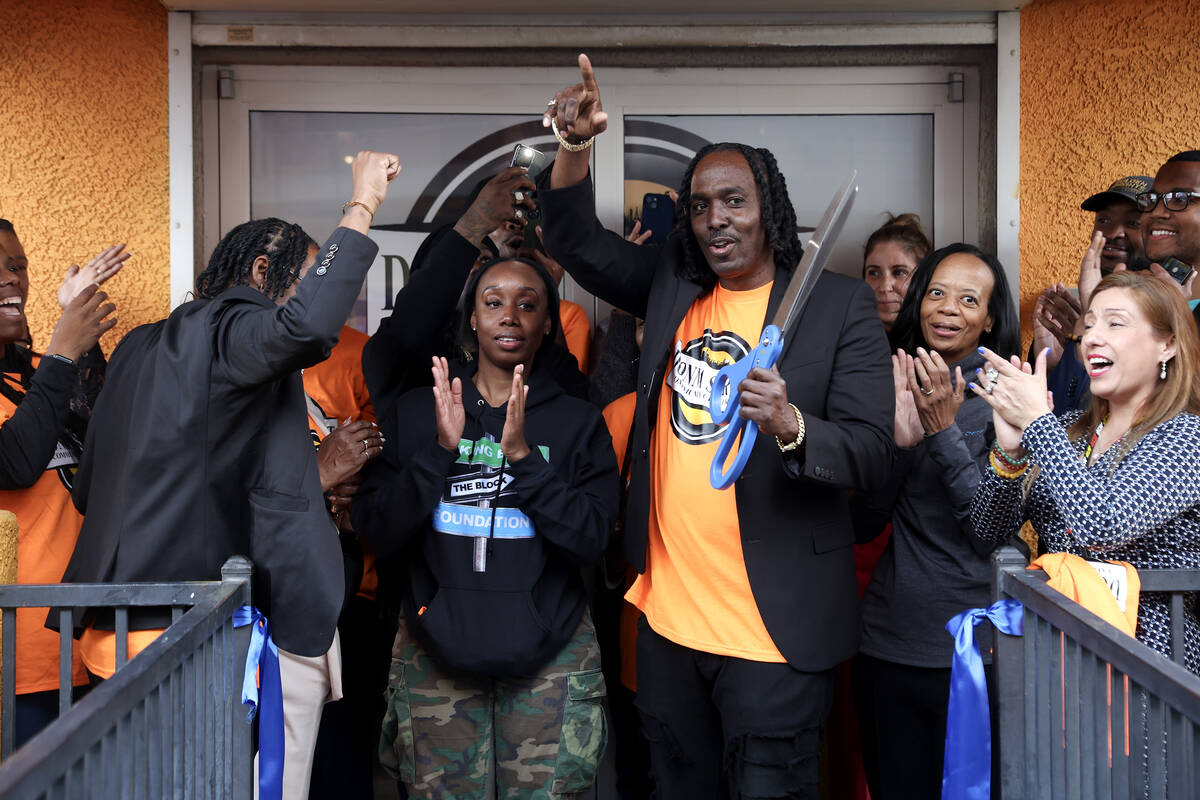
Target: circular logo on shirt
{"x": 693, "y": 372}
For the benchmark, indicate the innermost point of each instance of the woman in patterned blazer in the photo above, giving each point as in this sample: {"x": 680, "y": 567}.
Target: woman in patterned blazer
{"x": 1120, "y": 480}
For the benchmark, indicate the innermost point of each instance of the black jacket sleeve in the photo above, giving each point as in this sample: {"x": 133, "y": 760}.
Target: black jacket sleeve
{"x": 255, "y": 345}
{"x": 850, "y": 446}
{"x": 423, "y": 308}
{"x": 616, "y": 271}
{"x": 29, "y": 437}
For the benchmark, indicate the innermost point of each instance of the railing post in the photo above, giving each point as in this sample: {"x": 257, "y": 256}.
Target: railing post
{"x": 240, "y": 569}
{"x": 1008, "y": 662}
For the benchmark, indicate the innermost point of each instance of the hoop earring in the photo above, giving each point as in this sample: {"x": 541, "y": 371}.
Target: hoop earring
{"x": 1162, "y": 373}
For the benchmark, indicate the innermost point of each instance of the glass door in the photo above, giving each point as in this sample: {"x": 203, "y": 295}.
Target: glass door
{"x": 287, "y": 134}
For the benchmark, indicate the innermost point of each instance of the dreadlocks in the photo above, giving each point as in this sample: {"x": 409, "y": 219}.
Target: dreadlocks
{"x": 285, "y": 245}
{"x": 778, "y": 216}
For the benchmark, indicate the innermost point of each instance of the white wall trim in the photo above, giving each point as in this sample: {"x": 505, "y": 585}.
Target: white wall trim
{"x": 592, "y": 36}
{"x": 179, "y": 136}
{"x": 1008, "y": 143}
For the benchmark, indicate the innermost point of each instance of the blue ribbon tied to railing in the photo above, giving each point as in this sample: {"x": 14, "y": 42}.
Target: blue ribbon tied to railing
{"x": 261, "y": 690}
{"x": 967, "y": 768}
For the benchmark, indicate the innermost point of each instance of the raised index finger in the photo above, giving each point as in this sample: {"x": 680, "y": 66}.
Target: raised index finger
{"x": 589, "y": 76}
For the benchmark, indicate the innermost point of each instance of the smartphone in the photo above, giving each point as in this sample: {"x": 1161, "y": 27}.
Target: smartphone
{"x": 1177, "y": 269}
{"x": 532, "y": 240}
{"x": 658, "y": 216}
{"x": 529, "y": 157}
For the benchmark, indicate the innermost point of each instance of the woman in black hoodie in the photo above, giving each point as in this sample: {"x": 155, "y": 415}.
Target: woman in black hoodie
{"x": 497, "y": 486}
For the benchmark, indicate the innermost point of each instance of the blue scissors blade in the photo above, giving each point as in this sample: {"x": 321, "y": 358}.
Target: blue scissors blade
{"x": 725, "y": 401}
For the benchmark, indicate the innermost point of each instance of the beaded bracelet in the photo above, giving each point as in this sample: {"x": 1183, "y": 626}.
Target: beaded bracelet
{"x": 1003, "y": 470}
{"x": 1003, "y": 455}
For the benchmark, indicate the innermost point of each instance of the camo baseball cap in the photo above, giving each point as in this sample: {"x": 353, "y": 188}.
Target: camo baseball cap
{"x": 1127, "y": 188}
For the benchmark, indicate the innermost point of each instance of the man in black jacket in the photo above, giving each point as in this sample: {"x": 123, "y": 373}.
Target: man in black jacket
{"x": 199, "y": 446}
{"x": 748, "y": 597}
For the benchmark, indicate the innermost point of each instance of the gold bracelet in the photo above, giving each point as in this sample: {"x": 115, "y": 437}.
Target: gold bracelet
{"x": 365, "y": 207}
{"x": 1004, "y": 471}
{"x": 787, "y": 448}
{"x": 574, "y": 148}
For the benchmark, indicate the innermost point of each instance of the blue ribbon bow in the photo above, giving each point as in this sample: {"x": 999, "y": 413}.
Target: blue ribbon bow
{"x": 967, "y": 768}
{"x": 262, "y": 665}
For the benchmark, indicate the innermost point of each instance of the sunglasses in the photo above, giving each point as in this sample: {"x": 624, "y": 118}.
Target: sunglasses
{"x": 1172, "y": 201}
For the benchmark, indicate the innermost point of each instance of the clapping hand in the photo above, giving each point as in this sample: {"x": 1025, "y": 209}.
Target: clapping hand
{"x": 937, "y": 398}
{"x": 512, "y": 439}
{"x": 1055, "y": 317}
{"x": 448, "y": 405}
{"x": 908, "y": 432}
{"x": 107, "y": 263}
{"x": 1017, "y": 394}
{"x": 82, "y": 324}
{"x": 1089, "y": 269}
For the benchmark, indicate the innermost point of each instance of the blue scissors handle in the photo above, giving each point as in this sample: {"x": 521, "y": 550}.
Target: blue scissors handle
{"x": 725, "y": 403}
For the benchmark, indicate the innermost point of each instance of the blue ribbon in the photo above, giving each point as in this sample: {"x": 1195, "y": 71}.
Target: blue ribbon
{"x": 262, "y": 664}
{"x": 967, "y": 769}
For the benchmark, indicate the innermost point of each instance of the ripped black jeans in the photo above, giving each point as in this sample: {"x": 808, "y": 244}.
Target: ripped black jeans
{"x": 725, "y": 728}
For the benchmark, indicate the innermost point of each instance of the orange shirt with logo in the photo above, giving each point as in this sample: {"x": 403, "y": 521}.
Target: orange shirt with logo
{"x": 48, "y": 526}
{"x": 695, "y": 590}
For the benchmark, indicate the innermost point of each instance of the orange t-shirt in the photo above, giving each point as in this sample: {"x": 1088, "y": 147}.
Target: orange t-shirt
{"x": 695, "y": 590}
{"x": 339, "y": 389}
{"x": 618, "y": 416}
{"x": 48, "y": 526}
{"x": 577, "y": 330}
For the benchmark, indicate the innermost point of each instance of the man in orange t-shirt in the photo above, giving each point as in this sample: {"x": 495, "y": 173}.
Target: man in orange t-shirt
{"x": 748, "y": 596}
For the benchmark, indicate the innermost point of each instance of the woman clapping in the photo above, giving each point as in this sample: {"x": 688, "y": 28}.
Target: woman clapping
{"x": 1121, "y": 480}
{"x": 931, "y": 569}
{"x": 497, "y": 485}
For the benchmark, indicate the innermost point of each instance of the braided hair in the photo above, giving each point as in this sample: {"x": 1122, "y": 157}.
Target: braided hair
{"x": 778, "y": 218}
{"x": 285, "y": 245}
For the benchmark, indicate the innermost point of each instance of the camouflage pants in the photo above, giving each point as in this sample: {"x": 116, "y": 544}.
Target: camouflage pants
{"x": 467, "y": 737}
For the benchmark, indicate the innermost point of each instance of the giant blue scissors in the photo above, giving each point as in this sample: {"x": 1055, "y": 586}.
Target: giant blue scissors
{"x": 725, "y": 401}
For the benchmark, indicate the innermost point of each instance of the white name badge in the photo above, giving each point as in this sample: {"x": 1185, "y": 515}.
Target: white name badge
{"x": 62, "y": 458}
{"x": 1117, "y": 579}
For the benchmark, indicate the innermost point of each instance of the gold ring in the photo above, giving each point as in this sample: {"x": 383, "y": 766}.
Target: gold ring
{"x": 927, "y": 392}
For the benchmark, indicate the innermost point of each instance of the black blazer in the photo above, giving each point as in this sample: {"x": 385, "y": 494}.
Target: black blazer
{"x": 199, "y": 449}
{"x": 795, "y": 522}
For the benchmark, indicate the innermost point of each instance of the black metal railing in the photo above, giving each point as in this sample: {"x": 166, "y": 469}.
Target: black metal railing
{"x": 1085, "y": 710}
{"x": 169, "y": 723}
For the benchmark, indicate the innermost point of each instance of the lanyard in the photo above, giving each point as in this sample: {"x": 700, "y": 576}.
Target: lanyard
{"x": 1087, "y": 452}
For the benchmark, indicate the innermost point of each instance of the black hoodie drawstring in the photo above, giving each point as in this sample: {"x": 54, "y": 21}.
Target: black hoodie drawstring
{"x": 481, "y": 544}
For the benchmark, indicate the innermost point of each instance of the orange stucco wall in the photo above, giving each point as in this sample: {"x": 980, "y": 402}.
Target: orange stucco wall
{"x": 1108, "y": 88}
{"x": 83, "y": 147}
